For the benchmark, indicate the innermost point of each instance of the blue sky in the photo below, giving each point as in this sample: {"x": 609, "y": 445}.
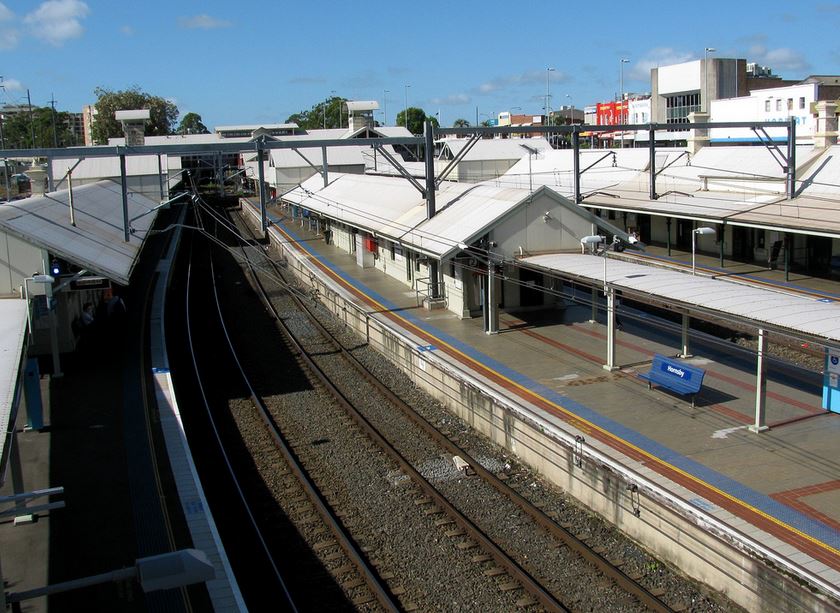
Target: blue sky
{"x": 260, "y": 61}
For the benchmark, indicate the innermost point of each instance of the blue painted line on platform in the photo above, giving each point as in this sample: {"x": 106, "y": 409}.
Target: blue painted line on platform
{"x": 762, "y": 502}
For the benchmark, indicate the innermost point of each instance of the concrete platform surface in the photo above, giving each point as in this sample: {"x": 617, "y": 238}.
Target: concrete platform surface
{"x": 780, "y": 487}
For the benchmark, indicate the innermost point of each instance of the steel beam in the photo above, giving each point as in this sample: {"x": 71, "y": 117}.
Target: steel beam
{"x": 400, "y": 169}
{"x": 474, "y": 138}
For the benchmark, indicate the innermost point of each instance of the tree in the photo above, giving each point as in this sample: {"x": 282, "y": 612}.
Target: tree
{"x": 163, "y": 113}
{"x": 191, "y": 124}
{"x": 416, "y": 118}
{"x": 327, "y": 114}
{"x": 460, "y": 123}
{"x": 17, "y": 129}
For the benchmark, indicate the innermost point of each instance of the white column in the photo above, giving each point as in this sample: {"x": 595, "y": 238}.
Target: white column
{"x": 594, "y": 317}
{"x": 492, "y": 324}
{"x": 760, "y": 424}
{"x": 610, "y": 365}
{"x": 685, "y": 353}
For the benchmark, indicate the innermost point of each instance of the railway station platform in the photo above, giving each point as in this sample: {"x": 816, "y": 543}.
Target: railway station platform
{"x": 779, "y": 488}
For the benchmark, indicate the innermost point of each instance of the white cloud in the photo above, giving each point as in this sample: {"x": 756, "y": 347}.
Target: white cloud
{"x": 203, "y": 22}
{"x": 517, "y": 80}
{"x": 12, "y": 85}
{"x": 778, "y": 59}
{"x": 661, "y": 56}
{"x": 9, "y": 35}
{"x": 451, "y": 99}
{"x": 57, "y": 21}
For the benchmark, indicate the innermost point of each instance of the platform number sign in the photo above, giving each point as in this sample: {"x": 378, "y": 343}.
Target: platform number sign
{"x": 833, "y": 362}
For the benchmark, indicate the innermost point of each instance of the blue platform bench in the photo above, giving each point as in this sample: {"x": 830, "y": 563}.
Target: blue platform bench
{"x": 675, "y": 376}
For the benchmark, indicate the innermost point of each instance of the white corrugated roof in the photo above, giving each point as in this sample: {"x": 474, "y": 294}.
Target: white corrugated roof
{"x": 391, "y": 207}
{"x": 765, "y": 308}
{"x": 97, "y": 241}
{"x": 108, "y": 167}
{"x": 336, "y": 156}
{"x": 495, "y": 148}
{"x": 255, "y": 126}
{"x": 12, "y": 335}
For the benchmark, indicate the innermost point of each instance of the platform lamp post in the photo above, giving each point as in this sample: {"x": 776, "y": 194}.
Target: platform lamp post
{"x": 385, "y": 106}
{"x": 694, "y": 233}
{"x": 548, "y": 72}
{"x": 621, "y": 64}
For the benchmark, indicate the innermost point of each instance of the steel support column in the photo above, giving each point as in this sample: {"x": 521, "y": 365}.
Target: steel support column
{"x": 325, "y": 166}
{"x": 593, "y": 318}
{"x": 760, "y": 424}
{"x": 491, "y": 324}
{"x": 722, "y": 236}
{"x": 788, "y": 240}
{"x": 261, "y": 179}
{"x": 791, "y": 159}
{"x": 124, "y": 189}
{"x": 50, "y": 178}
{"x": 668, "y": 234}
{"x": 685, "y": 352}
{"x": 652, "y": 162}
{"x": 430, "y": 171}
{"x": 610, "y": 365}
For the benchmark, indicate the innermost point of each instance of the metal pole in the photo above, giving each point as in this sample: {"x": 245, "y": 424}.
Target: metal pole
{"x": 160, "y": 177}
{"x": 652, "y": 161}
{"x": 124, "y": 188}
{"x": 55, "y": 133}
{"x": 791, "y": 154}
{"x": 760, "y": 424}
{"x": 385, "y": 111}
{"x": 50, "y": 179}
{"x": 492, "y": 324}
{"x": 668, "y": 234}
{"x": 31, "y": 122}
{"x": 693, "y": 250}
{"x": 261, "y": 179}
{"x": 576, "y": 161}
{"x": 685, "y": 352}
{"x": 610, "y": 365}
{"x": 430, "y": 171}
{"x": 722, "y": 236}
{"x": 70, "y": 199}
{"x": 5, "y": 163}
{"x": 405, "y": 119}
{"x": 787, "y": 239}
{"x": 324, "y": 166}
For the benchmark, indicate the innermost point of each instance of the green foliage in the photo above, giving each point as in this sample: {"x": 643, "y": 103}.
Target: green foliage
{"x": 416, "y": 117}
{"x": 330, "y": 113}
{"x": 191, "y": 124}
{"x": 17, "y": 129}
{"x": 163, "y": 113}
{"x": 460, "y": 123}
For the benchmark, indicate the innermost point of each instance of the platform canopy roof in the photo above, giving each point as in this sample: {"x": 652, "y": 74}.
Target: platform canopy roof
{"x": 775, "y": 310}
{"x": 738, "y": 185}
{"x": 391, "y": 207}
{"x": 12, "y": 336}
{"x": 487, "y": 149}
{"x": 96, "y": 242}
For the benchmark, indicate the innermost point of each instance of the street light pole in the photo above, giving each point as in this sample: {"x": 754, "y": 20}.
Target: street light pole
{"x": 706, "y": 52}
{"x": 405, "y": 119}
{"x": 385, "y": 106}
{"x": 548, "y": 72}
{"x": 622, "y": 62}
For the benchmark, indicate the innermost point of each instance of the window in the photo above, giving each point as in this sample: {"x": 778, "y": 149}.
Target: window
{"x": 678, "y": 107}
{"x": 766, "y": 106}
{"x": 779, "y": 105}
{"x": 790, "y": 104}
{"x": 802, "y": 102}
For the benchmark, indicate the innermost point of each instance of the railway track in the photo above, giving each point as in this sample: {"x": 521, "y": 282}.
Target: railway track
{"x": 391, "y": 476}
{"x": 462, "y": 461}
